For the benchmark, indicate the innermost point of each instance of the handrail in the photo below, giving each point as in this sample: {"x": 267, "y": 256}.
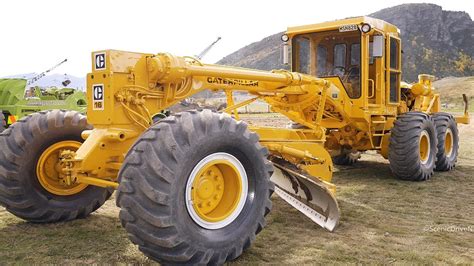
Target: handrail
{"x": 371, "y": 89}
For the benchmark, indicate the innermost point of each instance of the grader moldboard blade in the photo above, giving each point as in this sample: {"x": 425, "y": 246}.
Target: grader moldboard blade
{"x": 310, "y": 197}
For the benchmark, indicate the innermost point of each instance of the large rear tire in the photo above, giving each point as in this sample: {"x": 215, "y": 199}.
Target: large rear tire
{"x": 448, "y": 141}
{"x": 29, "y": 184}
{"x": 171, "y": 183}
{"x": 413, "y": 147}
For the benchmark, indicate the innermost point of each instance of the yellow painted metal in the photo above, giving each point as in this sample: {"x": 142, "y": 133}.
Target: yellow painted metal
{"x": 216, "y": 190}
{"x": 424, "y": 85}
{"x": 233, "y": 107}
{"x": 336, "y": 24}
{"x": 267, "y": 134}
{"x": 107, "y": 143}
{"x": 231, "y": 104}
{"x": 125, "y": 88}
{"x": 296, "y": 153}
{"x": 97, "y": 182}
{"x": 385, "y": 144}
{"x": 448, "y": 142}
{"x": 375, "y": 86}
{"x": 49, "y": 170}
{"x": 310, "y": 157}
{"x": 462, "y": 119}
{"x": 465, "y": 118}
{"x": 137, "y": 85}
{"x": 424, "y": 146}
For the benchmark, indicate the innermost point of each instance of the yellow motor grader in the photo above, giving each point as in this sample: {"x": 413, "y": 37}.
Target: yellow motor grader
{"x": 195, "y": 187}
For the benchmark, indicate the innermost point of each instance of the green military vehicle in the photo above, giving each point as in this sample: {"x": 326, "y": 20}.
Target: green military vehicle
{"x": 18, "y": 98}
{"x": 17, "y": 101}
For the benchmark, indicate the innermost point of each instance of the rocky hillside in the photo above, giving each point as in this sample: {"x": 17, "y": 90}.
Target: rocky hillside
{"x": 434, "y": 41}
{"x": 264, "y": 55}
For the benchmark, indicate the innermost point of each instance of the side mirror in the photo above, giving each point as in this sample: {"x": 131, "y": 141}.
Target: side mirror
{"x": 378, "y": 46}
{"x": 285, "y": 53}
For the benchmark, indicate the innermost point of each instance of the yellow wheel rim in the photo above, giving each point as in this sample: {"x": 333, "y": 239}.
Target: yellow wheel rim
{"x": 48, "y": 169}
{"x": 448, "y": 142}
{"x": 424, "y": 146}
{"x": 216, "y": 190}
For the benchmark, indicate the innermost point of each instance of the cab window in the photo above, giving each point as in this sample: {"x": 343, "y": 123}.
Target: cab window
{"x": 336, "y": 54}
{"x": 395, "y": 70}
{"x": 303, "y": 55}
{"x": 393, "y": 53}
{"x": 322, "y": 57}
{"x": 340, "y": 55}
{"x": 355, "y": 54}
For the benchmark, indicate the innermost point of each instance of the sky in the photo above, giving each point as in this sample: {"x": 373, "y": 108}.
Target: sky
{"x": 35, "y": 35}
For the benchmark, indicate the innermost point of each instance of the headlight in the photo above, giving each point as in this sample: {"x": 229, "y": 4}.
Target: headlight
{"x": 365, "y": 28}
{"x": 285, "y": 38}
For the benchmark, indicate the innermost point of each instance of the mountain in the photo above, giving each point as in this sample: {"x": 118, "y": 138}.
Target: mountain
{"x": 434, "y": 41}
{"x": 264, "y": 55}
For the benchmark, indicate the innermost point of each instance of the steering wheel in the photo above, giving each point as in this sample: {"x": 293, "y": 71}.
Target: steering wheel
{"x": 340, "y": 69}
{"x": 353, "y": 71}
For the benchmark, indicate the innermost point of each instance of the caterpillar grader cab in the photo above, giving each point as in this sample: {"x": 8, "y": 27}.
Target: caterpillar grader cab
{"x": 362, "y": 57}
{"x": 195, "y": 187}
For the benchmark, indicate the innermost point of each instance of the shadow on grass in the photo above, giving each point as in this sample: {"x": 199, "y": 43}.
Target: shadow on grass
{"x": 365, "y": 169}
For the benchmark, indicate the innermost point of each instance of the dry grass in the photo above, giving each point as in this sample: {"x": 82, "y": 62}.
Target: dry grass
{"x": 383, "y": 221}
{"x": 452, "y": 88}
{"x": 455, "y": 86}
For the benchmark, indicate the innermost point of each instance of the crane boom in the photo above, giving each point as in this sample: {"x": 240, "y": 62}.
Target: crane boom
{"x": 205, "y": 51}
{"x": 42, "y": 74}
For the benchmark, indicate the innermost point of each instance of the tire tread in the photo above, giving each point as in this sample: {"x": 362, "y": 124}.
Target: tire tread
{"x": 153, "y": 235}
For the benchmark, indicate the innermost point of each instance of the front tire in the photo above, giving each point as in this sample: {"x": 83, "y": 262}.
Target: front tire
{"x": 29, "y": 184}
{"x": 448, "y": 141}
{"x": 413, "y": 147}
{"x": 169, "y": 189}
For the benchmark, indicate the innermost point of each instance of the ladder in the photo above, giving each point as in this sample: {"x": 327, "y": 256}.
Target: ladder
{"x": 373, "y": 135}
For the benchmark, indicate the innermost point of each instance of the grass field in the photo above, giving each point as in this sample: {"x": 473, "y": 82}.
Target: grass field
{"x": 384, "y": 220}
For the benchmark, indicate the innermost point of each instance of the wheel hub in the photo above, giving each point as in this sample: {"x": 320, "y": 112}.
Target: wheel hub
{"x": 216, "y": 190}
{"x": 448, "y": 142}
{"x": 425, "y": 147}
{"x": 49, "y": 169}
{"x": 208, "y": 189}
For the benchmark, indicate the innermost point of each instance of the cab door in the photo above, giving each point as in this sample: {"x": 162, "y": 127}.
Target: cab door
{"x": 394, "y": 71}
{"x": 376, "y": 65}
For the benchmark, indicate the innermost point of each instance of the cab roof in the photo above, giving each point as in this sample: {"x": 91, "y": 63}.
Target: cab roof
{"x": 336, "y": 24}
